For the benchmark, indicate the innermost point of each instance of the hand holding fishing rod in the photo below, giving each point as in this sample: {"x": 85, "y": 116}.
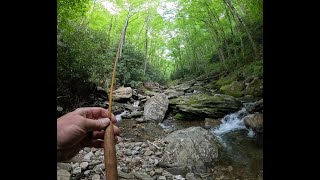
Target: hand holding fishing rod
{"x": 83, "y": 127}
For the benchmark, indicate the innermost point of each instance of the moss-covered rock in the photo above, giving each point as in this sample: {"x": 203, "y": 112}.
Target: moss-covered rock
{"x": 226, "y": 80}
{"x": 234, "y": 89}
{"x": 204, "y": 105}
{"x": 255, "y": 87}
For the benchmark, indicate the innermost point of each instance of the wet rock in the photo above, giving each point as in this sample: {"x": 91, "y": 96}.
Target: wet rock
{"x": 254, "y": 121}
{"x": 211, "y": 123}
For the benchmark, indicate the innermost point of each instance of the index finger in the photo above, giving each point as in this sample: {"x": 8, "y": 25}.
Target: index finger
{"x": 95, "y": 113}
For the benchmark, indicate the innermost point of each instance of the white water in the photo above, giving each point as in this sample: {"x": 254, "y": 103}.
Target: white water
{"x": 232, "y": 122}
{"x": 118, "y": 116}
{"x": 136, "y": 104}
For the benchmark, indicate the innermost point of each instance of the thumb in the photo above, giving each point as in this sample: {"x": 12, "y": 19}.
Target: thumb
{"x": 96, "y": 124}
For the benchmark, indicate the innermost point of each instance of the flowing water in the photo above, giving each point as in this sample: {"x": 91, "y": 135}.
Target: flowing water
{"x": 241, "y": 157}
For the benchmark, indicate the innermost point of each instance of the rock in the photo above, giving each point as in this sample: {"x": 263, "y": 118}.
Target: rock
{"x": 63, "y": 174}
{"x": 99, "y": 168}
{"x": 75, "y": 165}
{"x": 162, "y": 178}
{"x": 96, "y": 177}
{"x": 128, "y": 152}
{"x": 182, "y": 87}
{"x": 135, "y": 113}
{"x": 142, "y": 176}
{"x": 190, "y": 176}
{"x": 182, "y": 170}
{"x": 254, "y": 87}
{"x": 152, "y": 173}
{"x": 211, "y": 123}
{"x": 125, "y": 175}
{"x": 204, "y": 105}
{"x": 138, "y": 144}
{"x": 125, "y": 169}
{"x": 193, "y": 146}
{"x": 141, "y": 120}
{"x": 76, "y": 170}
{"x": 151, "y": 85}
{"x": 88, "y": 156}
{"x": 84, "y": 165}
{"x": 256, "y": 107}
{"x": 158, "y": 171}
{"x": 230, "y": 168}
{"x": 122, "y": 94}
{"x": 64, "y": 166}
{"x": 234, "y": 89}
{"x": 179, "y": 177}
{"x": 156, "y": 108}
{"x": 148, "y": 153}
{"x": 255, "y": 122}
{"x": 59, "y": 108}
{"x": 87, "y": 172}
{"x": 173, "y": 93}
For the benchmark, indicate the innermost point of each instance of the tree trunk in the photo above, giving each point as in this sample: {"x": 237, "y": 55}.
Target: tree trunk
{"x": 109, "y": 33}
{"x": 228, "y": 2}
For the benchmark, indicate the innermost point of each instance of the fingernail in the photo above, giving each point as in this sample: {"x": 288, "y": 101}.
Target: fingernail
{"x": 105, "y": 121}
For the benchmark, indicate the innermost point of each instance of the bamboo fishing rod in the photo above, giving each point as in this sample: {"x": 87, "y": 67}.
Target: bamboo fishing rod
{"x": 110, "y": 157}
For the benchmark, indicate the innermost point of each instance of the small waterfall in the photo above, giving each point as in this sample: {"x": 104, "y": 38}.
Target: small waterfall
{"x": 118, "y": 116}
{"x": 233, "y": 122}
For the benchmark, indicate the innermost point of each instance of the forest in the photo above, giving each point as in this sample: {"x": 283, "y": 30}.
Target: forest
{"x": 164, "y": 41}
{"x": 199, "y": 61}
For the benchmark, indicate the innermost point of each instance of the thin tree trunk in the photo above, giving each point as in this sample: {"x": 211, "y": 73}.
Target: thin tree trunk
{"x": 228, "y": 2}
{"x": 109, "y": 33}
{"x": 146, "y": 44}
{"x": 215, "y": 16}
{"x": 124, "y": 30}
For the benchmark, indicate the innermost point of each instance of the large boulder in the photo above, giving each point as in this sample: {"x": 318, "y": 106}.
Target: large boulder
{"x": 204, "y": 105}
{"x": 194, "y": 147}
{"x": 156, "y": 107}
{"x": 122, "y": 94}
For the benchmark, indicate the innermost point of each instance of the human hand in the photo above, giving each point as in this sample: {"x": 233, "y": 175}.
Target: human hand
{"x": 83, "y": 127}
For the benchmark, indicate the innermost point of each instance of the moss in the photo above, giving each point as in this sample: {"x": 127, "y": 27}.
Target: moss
{"x": 179, "y": 116}
{"x": 253, "y": 88}
{"x": 234, "y": 89}
{"x": 209, "y": 86}
{"x": 226, "y": 80}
